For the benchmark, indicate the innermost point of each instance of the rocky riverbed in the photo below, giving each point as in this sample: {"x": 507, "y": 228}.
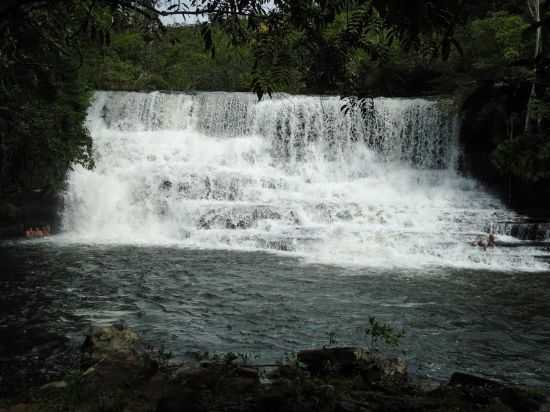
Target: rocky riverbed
{"x": 119, "y": 373}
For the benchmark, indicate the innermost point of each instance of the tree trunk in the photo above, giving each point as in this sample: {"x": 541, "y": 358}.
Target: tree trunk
{"x": 534, "y": 10}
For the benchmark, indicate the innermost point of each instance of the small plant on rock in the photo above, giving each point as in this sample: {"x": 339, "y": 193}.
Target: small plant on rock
{"x": 378, "y": 331}
{"x": 332, "y": 338}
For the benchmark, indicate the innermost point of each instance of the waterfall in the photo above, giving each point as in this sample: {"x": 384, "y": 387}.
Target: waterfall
{"x": 293, "y": 174}
{"x": 410, "y": 130}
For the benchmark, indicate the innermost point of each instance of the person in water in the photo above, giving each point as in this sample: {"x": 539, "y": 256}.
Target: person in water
{"x": 485, "y": 243}
{"x": 38, "y": 232}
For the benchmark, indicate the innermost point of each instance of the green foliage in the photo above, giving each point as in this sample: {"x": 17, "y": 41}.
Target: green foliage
{"x": 42, "y": 103}
{"x": 332, "y": 338}
{"x": 497, "y": 39}
{"x": 527, "y": 158}
{"x": 177, "y": 60}
{"x": 382, "y": 332}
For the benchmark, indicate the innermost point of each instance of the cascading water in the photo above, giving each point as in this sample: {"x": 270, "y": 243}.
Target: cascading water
{"x": 292, "y": 174}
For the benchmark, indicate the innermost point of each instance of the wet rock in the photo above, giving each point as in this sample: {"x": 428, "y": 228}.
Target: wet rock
{"x": 373, "y": 384}
{"x": 116, "y": 355}
{"x": 108, "y": 342}
{"x": 486, "y": 391}
{"x": 380, "y": 369}
{"x": 464, "y": 379}
{"x": 340, "y": 359}
{"x": 206, "y": 363}
{"x": 524, "y": 230}
{"x": 196, "y": 378}
{"x": 284, "y": 245}
{"x": 166, "y": 185}
{"x": 203, "y": 224}
{"x": 238, "y": 217}
{"x": 344, "y": 215}
{"x": 250, "y": 373}
{"x": 265, "y": 213}
{"x": 215, "y": 219}
{"x": 373, "y": 367}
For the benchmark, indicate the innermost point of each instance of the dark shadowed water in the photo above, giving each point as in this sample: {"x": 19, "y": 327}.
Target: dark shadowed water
{"x": 493, "y": 323}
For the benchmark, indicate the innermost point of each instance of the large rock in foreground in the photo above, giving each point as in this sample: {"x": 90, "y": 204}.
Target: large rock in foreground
{"x": 373, "y": 366}
{"x": 115, "y": 355}
{"x": 119, "y": 375}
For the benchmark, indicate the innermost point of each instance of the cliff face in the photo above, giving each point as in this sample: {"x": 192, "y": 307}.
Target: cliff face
{"x": 32, "y": 209}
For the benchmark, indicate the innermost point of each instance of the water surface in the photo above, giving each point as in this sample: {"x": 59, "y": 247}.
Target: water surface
{"x": 488, "y": 322}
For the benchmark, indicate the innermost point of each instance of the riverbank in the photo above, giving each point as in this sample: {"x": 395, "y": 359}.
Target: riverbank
{"x": 119, "y": 373}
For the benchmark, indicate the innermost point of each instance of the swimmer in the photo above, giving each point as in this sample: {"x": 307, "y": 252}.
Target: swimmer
{"x": 485, "y": 243}
{"x": 480, "y": 242}
{"x": 295, "y": 218}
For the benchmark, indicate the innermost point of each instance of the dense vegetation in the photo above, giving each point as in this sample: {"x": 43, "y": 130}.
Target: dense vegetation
{"x": 53, "y": 53}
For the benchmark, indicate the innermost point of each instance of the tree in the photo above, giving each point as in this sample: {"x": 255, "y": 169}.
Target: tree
{"x": 534, "y": 7}
{"x": 43, "y": 100}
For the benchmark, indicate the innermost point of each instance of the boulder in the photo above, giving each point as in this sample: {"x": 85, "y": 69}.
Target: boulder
{"x": 485, "y": 391}
{"x": 250, "y": 373}
{"x": 115, "y": 354}
{"x": 372, "y": 366}
{"x": 337, "y": 359}
{"x": 109, "y": 342}
{"x": 192, "y": 384}
{"x": 381, "y": 369}
{"x": 465, "y": 379}
{"x": 196, "y": 377}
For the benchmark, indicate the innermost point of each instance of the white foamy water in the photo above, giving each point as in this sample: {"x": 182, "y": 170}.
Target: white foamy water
{"x": 290, "y": 175}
